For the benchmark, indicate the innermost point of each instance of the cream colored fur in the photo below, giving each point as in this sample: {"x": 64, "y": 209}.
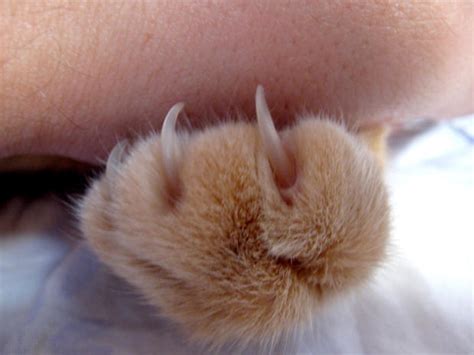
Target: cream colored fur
{"x": 229, "y": 256}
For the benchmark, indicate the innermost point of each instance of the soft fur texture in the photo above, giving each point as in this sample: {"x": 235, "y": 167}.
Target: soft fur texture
{"x": 229, "y": 256}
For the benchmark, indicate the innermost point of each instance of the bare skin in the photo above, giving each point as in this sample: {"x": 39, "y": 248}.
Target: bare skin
{"x": 75, "y": 77}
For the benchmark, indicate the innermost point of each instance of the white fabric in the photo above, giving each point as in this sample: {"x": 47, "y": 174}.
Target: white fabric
{"x": 56, "y": 298}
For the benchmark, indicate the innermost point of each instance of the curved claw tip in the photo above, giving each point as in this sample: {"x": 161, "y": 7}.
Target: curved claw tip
{"x": 116, "y": 157}
{"x": 170, "y": 142}
{"x": 169, "y": 123}
{"x": 279, "y": 159}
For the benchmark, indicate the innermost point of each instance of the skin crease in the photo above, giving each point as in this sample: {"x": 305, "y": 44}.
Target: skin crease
{"x": 75, "y": 77}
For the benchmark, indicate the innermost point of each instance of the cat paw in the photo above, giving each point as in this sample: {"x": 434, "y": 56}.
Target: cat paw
{"x": 239, "y": 232}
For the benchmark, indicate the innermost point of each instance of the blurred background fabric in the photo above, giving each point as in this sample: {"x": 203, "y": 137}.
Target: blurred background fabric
{"x": 57, "y": 298}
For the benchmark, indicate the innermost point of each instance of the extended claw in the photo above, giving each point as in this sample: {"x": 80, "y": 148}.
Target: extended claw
{"x": 116, "y": 157}
{"x": 279, "y": 159}
{"x": 170, "y": 146}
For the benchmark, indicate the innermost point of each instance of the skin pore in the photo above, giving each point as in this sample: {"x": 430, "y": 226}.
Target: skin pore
{"x": 75, "y": 76}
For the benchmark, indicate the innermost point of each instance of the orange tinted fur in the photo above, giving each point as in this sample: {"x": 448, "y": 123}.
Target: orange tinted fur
{"x": 229, "y": 258}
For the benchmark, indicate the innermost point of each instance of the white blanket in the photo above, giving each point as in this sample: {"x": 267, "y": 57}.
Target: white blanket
{"x": 56, "y": 297}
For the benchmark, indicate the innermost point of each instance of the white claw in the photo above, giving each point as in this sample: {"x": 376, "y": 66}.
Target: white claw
{"x": 116, "y": 157}
{"x": 170, "y": 143}
{"x": 279, "y": 159}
